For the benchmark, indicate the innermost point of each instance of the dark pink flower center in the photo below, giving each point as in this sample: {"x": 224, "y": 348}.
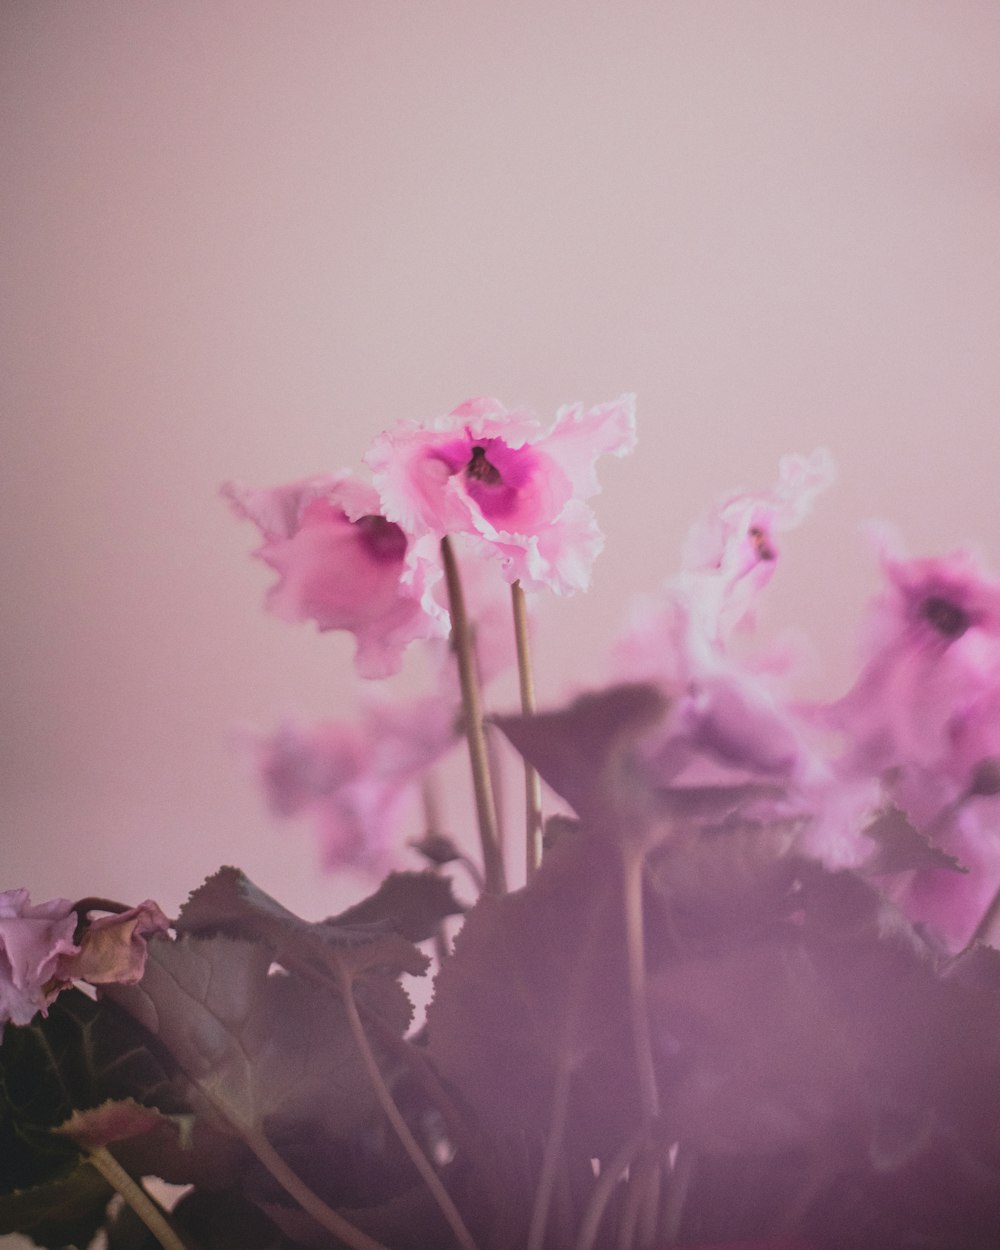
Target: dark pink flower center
{"x": 385, "y": 541}
{"x": 946, "y": 617}
{"x": 761, "y": 545}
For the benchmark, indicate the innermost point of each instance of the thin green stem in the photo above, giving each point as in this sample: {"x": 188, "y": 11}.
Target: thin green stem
{"x": 482, "y": 783}
{"x": 401, "y": 1128}
{"x": 532, "y": 784}
{"x": 633, "y": 860}
{"x": 636, "y": 1195}
{"x": 136, "y": 1197}
{"x": 553, "y": 1151}
{"x": 677, "y": 1186}
{"x": 590, "y": 1225}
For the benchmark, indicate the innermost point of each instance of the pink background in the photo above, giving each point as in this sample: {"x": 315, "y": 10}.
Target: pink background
{"x": 240, "y": 238}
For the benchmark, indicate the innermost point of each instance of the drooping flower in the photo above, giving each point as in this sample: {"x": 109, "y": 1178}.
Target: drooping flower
{"x": 113, "y": 947}
{"x": 498, "y": 476}
{"x": 39, "y": 956}
{"x": 33, "y": 939}
{"x": 359, "y": 782}
{"x": 340, "y": 564}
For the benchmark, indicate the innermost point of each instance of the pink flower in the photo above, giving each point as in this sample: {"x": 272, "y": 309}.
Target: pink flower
{"x": 33, "y": 939}
{"x": 732, "y": 720}
{"x": 728, "y": 558}
{"x": 340, "y": 564}
{"x": 498, "y": 476}
{"x": 934, "y": 644}
{"x": 923, "y": 715}
{"x": 359, "y": 782}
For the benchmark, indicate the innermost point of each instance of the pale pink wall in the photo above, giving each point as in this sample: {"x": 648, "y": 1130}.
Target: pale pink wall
{"x": 240, "y": 237}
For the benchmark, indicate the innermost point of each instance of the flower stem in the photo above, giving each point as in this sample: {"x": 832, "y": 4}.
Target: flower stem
{"x": 311, "y": 1203}
{"x": 482, "y": 783}
{"x": 532, "y": 785}
{"x": 635, "y": 945}
{"x": 597, "y": 1204}
{"x": 136, "y": 1197}
{"x": 677, "y": 1185}
{"x": 552, "y": 1153}
{"x": 388, "y": 1105}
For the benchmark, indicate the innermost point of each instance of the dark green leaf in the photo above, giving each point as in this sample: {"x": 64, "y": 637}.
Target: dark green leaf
{"x": 64, "y": 1211}
{"x": 412, "y": 904}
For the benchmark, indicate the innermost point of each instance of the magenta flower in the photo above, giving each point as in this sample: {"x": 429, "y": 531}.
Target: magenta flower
{"x": 498, "y": 476}
{"x": 934, "y": 657}
{"x": 360, "y": 783}
{"x": 340, "y": 563}
{"x": 33, "y": 940}
{"x": 923, "y": 715}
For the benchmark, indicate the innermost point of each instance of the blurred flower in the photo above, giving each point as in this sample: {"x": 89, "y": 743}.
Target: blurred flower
{"x": 923, "y": 717}
{"x": 732, "y": 719}
{"x": 33, "y": 939}
{"x": 498, "y": 476}
{"x": 340, "y": 564}
{"x": 934, "y": 659}
{"x": 358, "y": 781}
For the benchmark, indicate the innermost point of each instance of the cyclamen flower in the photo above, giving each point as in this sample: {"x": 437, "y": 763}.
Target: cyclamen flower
{"x": 340, "y": 564}
{"x": 33, "y": 939}
{"x": 924, "y": 715}
{"x": 933, "y": 669}
{"x": 359, "y": 782}
{"x": 498, "y": 476}
{"x": 113, "y": 948}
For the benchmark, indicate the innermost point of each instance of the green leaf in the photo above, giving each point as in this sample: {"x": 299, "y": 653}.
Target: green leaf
{"x": 412, "y": 904}
{"x": 900, "y": 845}
{"x": 80, "y": 1055}
{"x": 256, "y": 1045}
{"x": 585, "y": 751}
{"x": 64, "y": 1211}
{"x": 229, "y": 903}
{"x": 115, "y": 1121}
{"x": 534, "y": 976}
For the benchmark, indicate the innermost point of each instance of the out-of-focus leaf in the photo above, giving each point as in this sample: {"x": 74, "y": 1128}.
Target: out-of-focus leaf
{"x": 64, "y": 1211}
{"x": 900, "y": 845}
{"x": 114, "y": 1122}
{"x": 409, "y": 1221}
{"x": 534, "y": 973}
{"x": 412, "y": 904}
{"x": 585, "y": 752}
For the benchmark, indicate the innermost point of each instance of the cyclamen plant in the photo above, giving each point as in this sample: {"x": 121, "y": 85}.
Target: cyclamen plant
{"x": 745, "y": 997}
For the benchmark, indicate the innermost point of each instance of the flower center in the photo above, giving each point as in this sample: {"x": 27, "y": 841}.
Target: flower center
{"x": 760, "y": 544}
{"x": 946, "y": 617}
{"x": 384, "y": 539}
{"x": 480, "y": 469}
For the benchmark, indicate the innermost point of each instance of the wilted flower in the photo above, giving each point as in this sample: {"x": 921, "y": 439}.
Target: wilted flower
{"x": 33, "y": 939}
{"x": 498, "y": 476}
{"x": 340, "y": 564}
{"x": 113, "y": 947}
